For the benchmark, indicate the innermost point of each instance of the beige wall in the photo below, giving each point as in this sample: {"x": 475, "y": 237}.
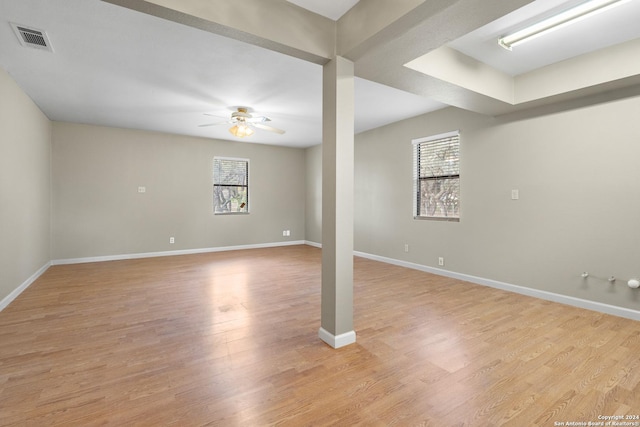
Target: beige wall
{"x": 579, "y": 206}
{"x": 313, "y": 171}
{"x": 97, "y": 210}
{"x": 25, "y": 158}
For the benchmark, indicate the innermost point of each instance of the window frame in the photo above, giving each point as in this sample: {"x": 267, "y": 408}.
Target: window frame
{"x": 418, "y": 178}
{"x": 216, "y": 184}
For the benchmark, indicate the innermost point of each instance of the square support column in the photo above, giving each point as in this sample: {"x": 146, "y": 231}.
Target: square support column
{"x": 337, "y": 203}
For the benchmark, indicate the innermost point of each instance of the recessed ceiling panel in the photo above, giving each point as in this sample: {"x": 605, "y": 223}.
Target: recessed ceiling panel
{"x": 332, "y": 9}
{"x": 606, "y": 29}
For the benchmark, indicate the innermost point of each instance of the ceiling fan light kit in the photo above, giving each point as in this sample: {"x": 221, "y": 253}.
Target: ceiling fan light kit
{"x": 569, "y": 16}
{"x": 241, "y": 130}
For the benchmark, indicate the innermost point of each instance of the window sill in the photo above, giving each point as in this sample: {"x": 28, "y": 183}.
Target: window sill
{"x": 432, "y": 218}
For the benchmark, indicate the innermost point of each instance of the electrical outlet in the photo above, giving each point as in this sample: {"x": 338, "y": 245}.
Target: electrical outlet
{"x": 515, "y": 194}
{"x": 172, "y": 240}
{"x": 286, "y": 233}
{"x": 406, "y": 247}
{"x": 142, "y": 189}
{"x": 440, "y": 261}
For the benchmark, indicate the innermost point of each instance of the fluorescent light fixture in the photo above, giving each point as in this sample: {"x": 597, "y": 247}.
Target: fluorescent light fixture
{"x": 569, "y": 16}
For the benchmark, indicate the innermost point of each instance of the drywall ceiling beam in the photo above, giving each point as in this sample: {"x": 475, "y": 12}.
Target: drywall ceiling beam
{"x": 306, "y": 35}
{"x": 371, "y": 22}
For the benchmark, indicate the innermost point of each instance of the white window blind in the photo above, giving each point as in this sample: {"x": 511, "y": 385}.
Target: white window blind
{"x": 230, "y": 185}
{"x": 436, "y": 171}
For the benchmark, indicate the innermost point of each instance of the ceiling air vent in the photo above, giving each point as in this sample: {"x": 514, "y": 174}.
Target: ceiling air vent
{"x": 32, "y": 37}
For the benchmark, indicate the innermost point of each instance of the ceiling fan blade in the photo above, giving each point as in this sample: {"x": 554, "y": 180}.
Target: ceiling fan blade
{"x": 213, "y": 124}
{"x": 257, "y": 119}
{"x": 269, "y": 128}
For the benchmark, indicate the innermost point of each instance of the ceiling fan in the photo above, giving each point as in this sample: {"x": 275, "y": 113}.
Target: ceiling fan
{"x": 244, "y": 123}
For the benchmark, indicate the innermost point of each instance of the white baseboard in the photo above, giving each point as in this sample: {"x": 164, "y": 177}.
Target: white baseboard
{"x": 314, "y": 244}
{"x": 17, "y": 291}
{"x": 536, "y": 293}
{"x": 171, "y": 253}
{"x": 337, "y": 341}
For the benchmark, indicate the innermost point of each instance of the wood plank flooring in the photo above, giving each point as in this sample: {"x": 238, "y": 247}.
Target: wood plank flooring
{"x": 230, "y": 339}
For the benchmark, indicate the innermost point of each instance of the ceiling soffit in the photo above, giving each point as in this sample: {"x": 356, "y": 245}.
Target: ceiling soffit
{"x": 571, "y": 75}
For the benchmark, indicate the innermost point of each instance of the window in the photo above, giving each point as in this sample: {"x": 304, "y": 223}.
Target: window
{"x": 230, "y": 185}
{"x": 436, "y": 183}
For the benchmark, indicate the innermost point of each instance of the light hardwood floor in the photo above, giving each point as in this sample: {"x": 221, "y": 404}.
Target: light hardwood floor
{"x": 230, "y": 339}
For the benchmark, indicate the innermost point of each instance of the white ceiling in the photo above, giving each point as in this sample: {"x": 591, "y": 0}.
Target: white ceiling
{"x": 116, "y": 67}
{"x": 113, "y": 66}
{"x": 332, "y": 9}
